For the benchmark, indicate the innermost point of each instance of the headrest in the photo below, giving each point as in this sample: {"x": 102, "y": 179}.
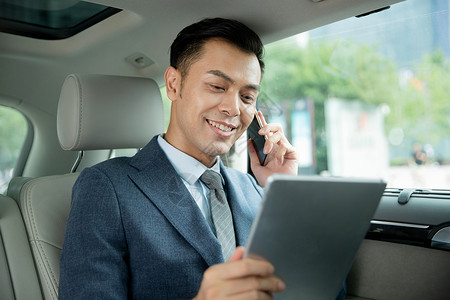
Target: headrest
{"x": 108, "y": 112}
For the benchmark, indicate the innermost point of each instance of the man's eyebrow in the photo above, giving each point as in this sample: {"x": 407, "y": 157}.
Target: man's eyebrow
{"x": 255, "y": 87}
{"x": 221, "y": 74}
{"x": 229, "y": 79}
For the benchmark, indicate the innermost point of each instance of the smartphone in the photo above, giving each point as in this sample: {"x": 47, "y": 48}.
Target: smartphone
{"x": 257, "y": 139}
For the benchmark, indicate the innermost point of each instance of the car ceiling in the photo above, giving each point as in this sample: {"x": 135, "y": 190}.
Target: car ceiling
{"x": 33, "y": 70}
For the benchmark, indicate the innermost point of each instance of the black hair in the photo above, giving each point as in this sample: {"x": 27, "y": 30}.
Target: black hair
{"x": 188, "y": 45}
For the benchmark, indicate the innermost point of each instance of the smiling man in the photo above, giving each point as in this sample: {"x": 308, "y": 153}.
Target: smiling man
{"x": 214, "y": 104}
{"x": 168, "y": 223}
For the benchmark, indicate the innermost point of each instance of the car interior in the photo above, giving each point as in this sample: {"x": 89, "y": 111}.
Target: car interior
{"x": 83, "y": 82}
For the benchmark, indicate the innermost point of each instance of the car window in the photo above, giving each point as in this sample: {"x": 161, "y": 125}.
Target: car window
{"x": 13, "y": 130}
{"x": 51, "y": 20}
{"x": 367, "y": 96}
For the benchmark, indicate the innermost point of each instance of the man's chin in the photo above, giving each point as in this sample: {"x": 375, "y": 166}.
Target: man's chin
{"x": 216, "y": 149}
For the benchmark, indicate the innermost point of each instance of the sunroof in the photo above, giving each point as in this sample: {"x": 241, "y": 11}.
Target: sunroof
{"x": 50, "y": 19}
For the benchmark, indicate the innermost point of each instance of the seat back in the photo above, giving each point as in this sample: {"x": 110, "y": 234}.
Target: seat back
{"x": 95, "y": 112}
{"x": 18, "y": 276}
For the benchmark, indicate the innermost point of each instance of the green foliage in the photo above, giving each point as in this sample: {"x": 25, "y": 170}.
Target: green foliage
{"x": 320, "y": 71}
{"x": 351, "y": 71}
{"x": 13, "y": 128}
{"x": 428, "y": 107}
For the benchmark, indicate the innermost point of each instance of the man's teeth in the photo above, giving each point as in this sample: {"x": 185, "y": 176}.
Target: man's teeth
{"x": 220, "y": 126}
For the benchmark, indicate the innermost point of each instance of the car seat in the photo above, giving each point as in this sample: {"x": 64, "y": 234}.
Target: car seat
{"x": 18, "y": 276}
{"x": 95, "y": 112}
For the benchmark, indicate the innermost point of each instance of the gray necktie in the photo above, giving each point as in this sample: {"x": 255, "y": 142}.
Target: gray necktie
{"x": 221, "y": 213}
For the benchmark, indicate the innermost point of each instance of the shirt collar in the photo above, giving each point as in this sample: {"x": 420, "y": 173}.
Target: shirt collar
{"x": 186, "y": 166}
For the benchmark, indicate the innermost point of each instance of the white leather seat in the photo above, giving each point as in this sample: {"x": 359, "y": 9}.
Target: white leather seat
{"x": 95, "y": 112}
{"x": 18, "y": 276}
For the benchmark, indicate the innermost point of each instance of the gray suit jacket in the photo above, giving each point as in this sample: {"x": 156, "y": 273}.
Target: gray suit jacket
{"x": 134, "y": 230}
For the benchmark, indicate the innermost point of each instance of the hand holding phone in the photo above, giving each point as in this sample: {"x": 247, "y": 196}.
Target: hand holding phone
{"x": 257, "y": 139}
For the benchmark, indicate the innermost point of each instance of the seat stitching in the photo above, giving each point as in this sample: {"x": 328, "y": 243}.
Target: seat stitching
{"x": 80, "y": 129}
{"x": 36, "y": 233}
{"x": 46, "y": 277}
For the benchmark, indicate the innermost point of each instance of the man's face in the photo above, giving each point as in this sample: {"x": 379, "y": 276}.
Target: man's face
{"x": 216, "y": 102}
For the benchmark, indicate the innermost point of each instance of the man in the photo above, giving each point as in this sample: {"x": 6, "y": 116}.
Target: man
{"x": 143, "y": 227}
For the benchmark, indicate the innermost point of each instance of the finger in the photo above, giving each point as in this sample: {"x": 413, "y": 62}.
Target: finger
{"x": 281, "y": 142}
{"x": 265, "y": 127}
{"x": 261, "y": 117}
{"x": 269, "y": 129}
{"x": 254, "y": 284}
{"x": 280, "y": 154}
{"x": 273, "y": 140}
{"x": 274, "y": 134}
{"x": 243, "y": 268}
{"x": 276, "y": 137}
{"x": 253, "y": 295}
{"x": 268, "y": 146}
{"x": 266, "y": 284}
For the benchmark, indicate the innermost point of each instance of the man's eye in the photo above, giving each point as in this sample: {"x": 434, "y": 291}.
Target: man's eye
{"x": 248, "y": 99}
{"x": 216, "y": 87}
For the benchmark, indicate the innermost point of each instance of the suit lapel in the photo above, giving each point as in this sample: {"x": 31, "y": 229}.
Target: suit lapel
{"x": 158, "y": 180}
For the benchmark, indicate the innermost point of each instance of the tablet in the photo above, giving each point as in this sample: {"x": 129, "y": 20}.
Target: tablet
{"x": 310, "y": 229}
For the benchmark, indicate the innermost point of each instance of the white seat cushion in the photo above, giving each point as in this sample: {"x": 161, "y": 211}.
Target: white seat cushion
{"x": 45, "y": 205}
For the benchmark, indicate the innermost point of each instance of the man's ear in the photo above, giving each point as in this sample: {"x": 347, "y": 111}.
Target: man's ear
{"x": 173, "y": 83}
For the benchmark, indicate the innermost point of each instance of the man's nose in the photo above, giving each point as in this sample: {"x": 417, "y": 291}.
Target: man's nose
{"x": 230, "y": 105}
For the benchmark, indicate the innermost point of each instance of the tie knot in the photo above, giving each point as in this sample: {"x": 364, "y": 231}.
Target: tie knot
{"x": 212, "y": 180}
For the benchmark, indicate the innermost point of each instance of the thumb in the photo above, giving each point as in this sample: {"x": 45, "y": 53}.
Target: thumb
{"x": 254, "y": 160}
{"x": 238, "y": 254}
